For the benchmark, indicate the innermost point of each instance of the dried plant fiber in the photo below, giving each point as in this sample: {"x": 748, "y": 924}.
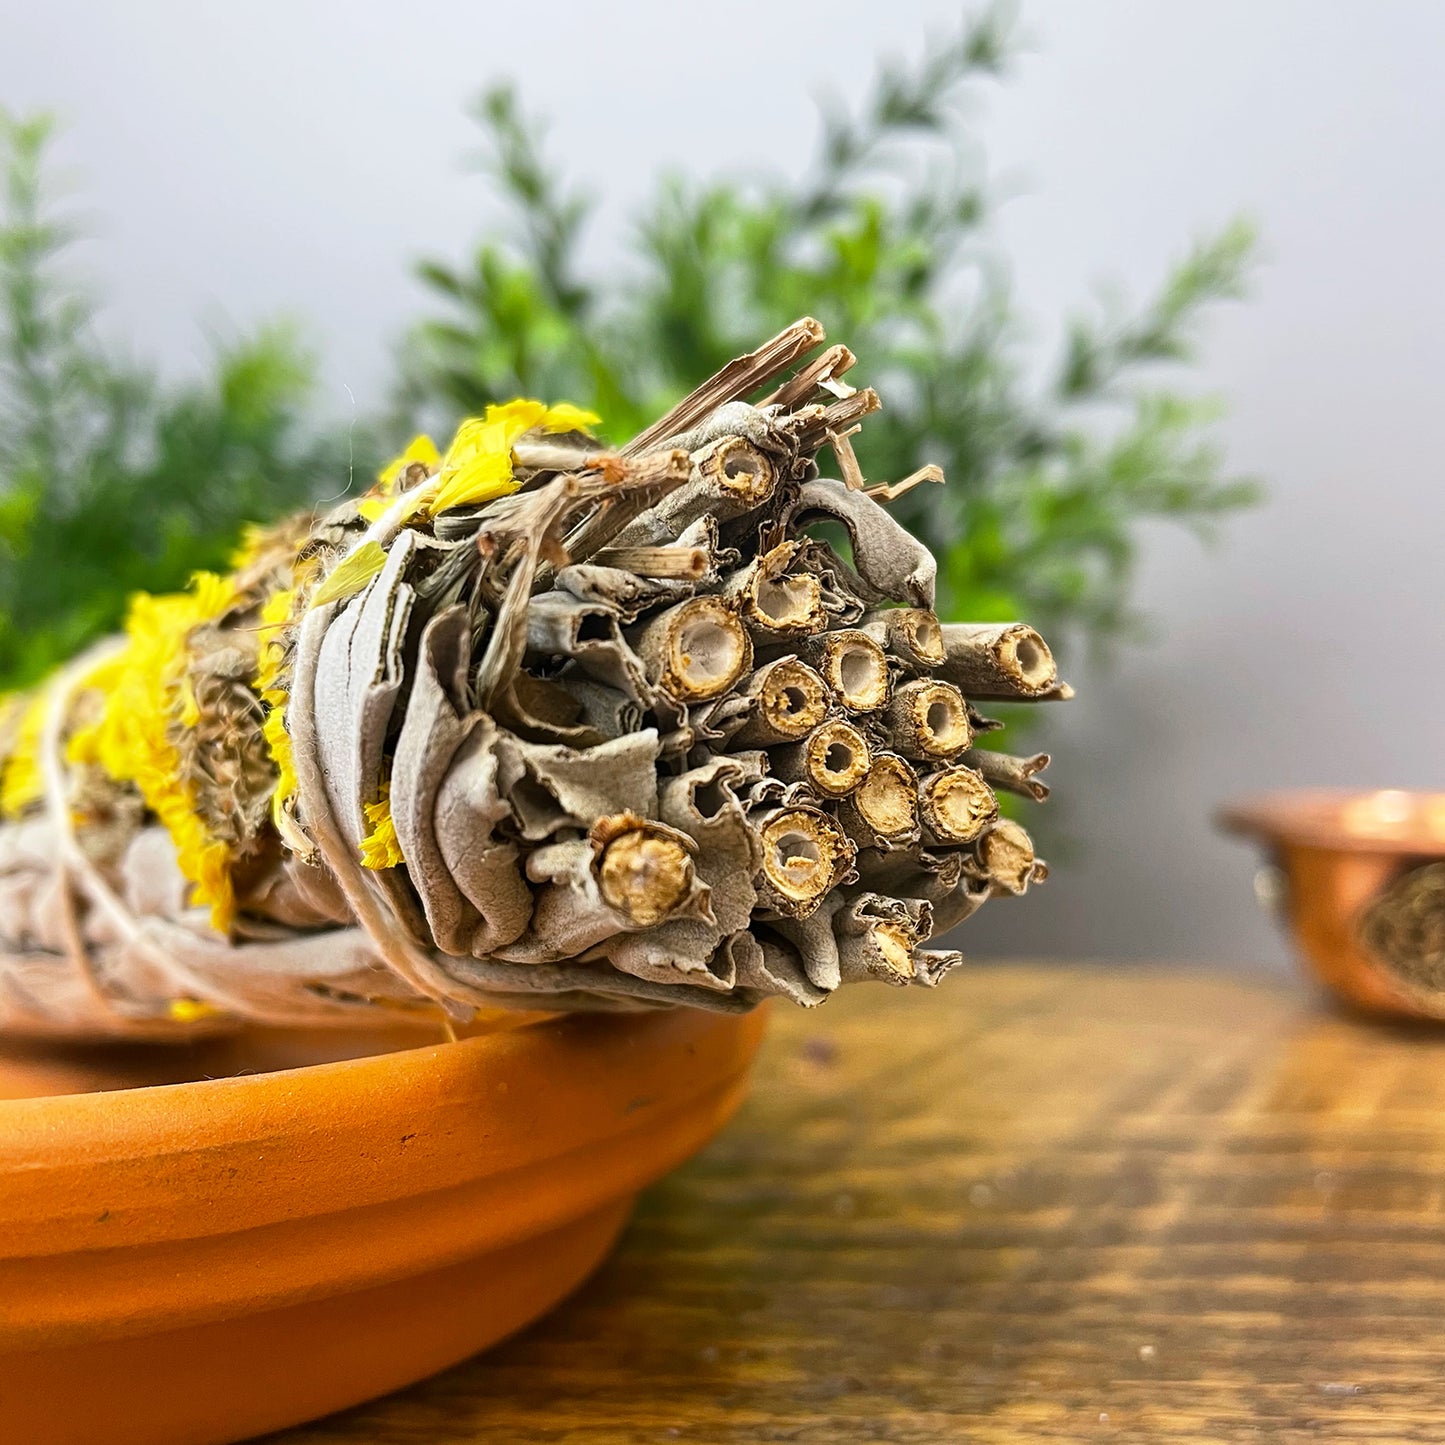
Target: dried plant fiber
{"x": 535, "y": 723}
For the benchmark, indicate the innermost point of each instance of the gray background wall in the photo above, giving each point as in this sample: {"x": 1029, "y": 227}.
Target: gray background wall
{"x": 246, "y": 160}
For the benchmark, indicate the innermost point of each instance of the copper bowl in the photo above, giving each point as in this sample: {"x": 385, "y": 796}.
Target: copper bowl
{"x": 1360, "y": 881}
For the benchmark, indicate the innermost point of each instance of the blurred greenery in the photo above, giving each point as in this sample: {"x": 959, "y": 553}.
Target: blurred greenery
{"x": 110, "y": 480}
{"x": 887, "y": 242}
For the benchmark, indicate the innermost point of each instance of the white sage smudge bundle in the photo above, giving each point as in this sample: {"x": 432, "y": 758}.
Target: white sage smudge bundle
{"x": 533, "y": 724}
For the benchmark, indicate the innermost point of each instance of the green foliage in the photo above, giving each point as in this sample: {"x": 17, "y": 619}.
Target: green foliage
{"x": 109, "y": 481}
{"x": 887, "y": 243}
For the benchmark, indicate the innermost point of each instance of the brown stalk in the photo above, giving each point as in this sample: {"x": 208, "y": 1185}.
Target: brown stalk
{"x": 853, "y": 665}
{"x": 804, "y": 855}
{"x": 683, "y": 563}
{"x": 928, "y": 720}
{"x": 890, "y": 564}
{"x": 847, "y": 458}
{"x": 643, "y": 870}
{"x": 601, "y": 504}
{"x": 834, "y": 758}
{"x": 891, "y": 491}
{"x": 910, "y": 633}
{"x": 739, "y": 378}
{"x": 790, "y": 700}
{"x": 955, "y": 806}
{"x": 1012, "y": 774}
{"x": 930, "y": 964}
{"x": 550, "y": 454}
{"x": 775, "y": 601}
{"x": 695, "y": 650}
{"x": 998, "y": 660}
{"x": 967, "y": 897}
{"x": 727, "y": 477}
{"x": 883, "y": 951}
{"x": 940, "y": 878}
{"x": 812, "y": 425}
{"x": 738, "y": 470}
{"x": 982, "y": 725}
{"x": 876, "y": 937}
{"x": 821, "y": 373}
{"x": 883, "y": 809}
{"x": 1006, "y": 855}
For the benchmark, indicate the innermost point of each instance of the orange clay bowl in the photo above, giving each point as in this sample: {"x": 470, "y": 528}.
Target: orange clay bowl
{"x": 188, "y": 1259}
{"x": 1362, "y": 889}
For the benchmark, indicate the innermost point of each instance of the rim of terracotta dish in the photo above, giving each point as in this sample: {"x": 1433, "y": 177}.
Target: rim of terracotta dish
{"x": 123, "y": 1063}
{"x": 1378, "y": 820}
{"x": 204, "y": 1121}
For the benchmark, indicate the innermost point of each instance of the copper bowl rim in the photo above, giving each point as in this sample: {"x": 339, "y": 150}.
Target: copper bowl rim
{"x": 1365, "y": 820}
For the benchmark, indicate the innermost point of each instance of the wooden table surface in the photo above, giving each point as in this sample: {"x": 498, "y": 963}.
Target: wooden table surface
{"x": 1038, "y": 1204}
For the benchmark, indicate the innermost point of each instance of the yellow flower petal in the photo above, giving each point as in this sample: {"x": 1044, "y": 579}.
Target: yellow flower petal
{"x": 355, "y": 570}
{"x": 193, "y": 1010}
{"x": 420, "y": 448}
{"x": 481, "y": 479}
{"x": 477, "y": 466}
{"x": 271, "y": 684}
{"x": 381, "y": 848}
{"x": 277, "y": 611}
{"x": 566, "y": 417}
{"x": 516, "y": 417}
{"x": 254, "y": 541}
{"x": 190, "y": 708}
{"x": 145, "y": 691}
{"x": 21, "y": 782}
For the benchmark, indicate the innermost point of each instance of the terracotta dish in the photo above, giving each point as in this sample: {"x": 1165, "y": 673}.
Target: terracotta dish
{"x": 1361, "y": 882}
{"x": 202, "y": 1261}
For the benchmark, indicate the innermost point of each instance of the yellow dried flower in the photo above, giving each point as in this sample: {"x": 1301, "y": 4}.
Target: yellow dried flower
{"x": 271, "y": 685}
{"x": 193, "y": 1010}
{"x": 190, "y": 708}
{"x": 255, "y": 539}
{"x": 21, "y": 783}
{"x": 566, "y": 417}
{"x": 420, "y": 448}
{"x": 145, "y": 689}
{"x": 351, "y": 574}
{"x": 478, "y": 464}
{"x": 380, "y": 848}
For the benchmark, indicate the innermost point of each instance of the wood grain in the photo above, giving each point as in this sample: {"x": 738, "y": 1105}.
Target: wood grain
{"x": 1039, "y": 1204}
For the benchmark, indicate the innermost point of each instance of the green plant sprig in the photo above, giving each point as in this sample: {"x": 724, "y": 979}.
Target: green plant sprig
{"x": 110, "y": 481}
{"x": 888, "y": 242}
